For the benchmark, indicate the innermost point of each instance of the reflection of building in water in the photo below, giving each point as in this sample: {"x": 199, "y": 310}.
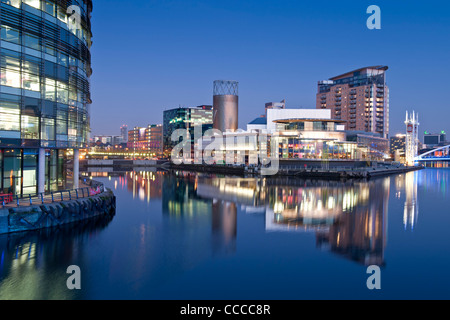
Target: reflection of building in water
{"x": 243, "y": 191}
{"x": 360, "y": 234}
{"x": 179, "y": 196}
{"x": 33, "y": 264}
{"x": 411, "y": 209}
{"x": 348, "y": 216}
{"x": 310, "y": 207}
{"x": 224, "y": 226}
{"x": 145, "y": 185}
{"x": 183, "y": 200}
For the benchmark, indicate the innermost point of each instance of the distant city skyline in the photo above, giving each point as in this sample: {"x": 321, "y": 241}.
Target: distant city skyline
{"x": 171, "y": 52}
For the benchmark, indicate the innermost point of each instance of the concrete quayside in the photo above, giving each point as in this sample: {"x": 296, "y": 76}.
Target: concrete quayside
{"x": 308, "y": 169}
{"x": 57, "y": 209}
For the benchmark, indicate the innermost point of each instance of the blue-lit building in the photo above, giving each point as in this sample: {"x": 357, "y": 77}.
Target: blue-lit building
{"x": 44, "y": 93}
{"x": 188, "y": 119}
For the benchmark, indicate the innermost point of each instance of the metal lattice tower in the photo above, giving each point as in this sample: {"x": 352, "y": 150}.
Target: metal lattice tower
{"x": 226, "y": 87}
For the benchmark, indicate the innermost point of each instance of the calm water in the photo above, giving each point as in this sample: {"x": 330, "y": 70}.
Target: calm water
{"x": 186, "y": 236}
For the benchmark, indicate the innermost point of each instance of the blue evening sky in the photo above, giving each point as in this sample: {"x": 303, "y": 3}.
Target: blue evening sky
{"x": 148, "y": 56}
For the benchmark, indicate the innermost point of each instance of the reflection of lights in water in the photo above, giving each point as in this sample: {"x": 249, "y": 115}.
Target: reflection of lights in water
{"x": 141, "y": 194}
{"x": 411, "y": 208}
{"x": 115, "y": 185}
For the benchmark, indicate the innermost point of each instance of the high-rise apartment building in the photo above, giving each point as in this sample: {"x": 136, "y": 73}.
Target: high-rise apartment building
{"x": 359, "y": 97}
{"x": 44, "y": 93}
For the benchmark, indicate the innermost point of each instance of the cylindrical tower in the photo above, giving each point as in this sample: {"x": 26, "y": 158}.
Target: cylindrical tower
{"x": 225, "y": 105}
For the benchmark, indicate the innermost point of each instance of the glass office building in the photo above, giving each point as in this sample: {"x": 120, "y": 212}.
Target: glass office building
{"x": 185, "y": 119}
{"x": 44, "y": 93}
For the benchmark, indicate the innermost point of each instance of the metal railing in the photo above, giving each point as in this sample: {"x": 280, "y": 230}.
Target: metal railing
{"x": 92, "y": 189}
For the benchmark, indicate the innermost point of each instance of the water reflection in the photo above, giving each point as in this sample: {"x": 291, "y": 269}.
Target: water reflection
{"x": 31, "y": 262}
{"x": 348, "y": 217}
{"x": 179, "y": 220}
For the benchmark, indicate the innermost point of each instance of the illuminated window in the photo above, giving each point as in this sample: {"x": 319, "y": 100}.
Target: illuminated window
{"x": 10, "y": 78}
{"x": 14, "y": 3}
{"x": 33, "y": 3}
{"x": 30, "y": 127}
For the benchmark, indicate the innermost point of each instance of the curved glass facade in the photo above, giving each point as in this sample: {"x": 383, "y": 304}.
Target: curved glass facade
{"x": 44, "y": 85}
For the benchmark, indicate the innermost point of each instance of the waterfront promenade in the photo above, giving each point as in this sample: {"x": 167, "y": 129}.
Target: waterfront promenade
{"x": 58, "y": 208}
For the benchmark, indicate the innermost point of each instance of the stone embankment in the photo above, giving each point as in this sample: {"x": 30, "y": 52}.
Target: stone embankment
{"x": 57, "y": 213}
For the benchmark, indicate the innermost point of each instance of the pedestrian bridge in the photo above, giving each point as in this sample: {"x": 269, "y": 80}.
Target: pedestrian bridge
{"x": 438, "y": 154}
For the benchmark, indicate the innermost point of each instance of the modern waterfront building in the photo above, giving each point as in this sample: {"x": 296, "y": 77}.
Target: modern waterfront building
{"x": 111, "y": 140}
{"x": 44, "y": 93}
{"x": 275, "y": 105}
{"x": 360, "y": 98}
{"x": 373, "y": 146}
{"x": 147, "y": 140}
{"x": 398, "y": 147}
{"x": 284, "y": 114}
{"x": 154, "y": 137}
{"x": 312, "y": 139}
{"x": 434, "y": 139}
{"x": 136, "y": 138}
{"x": 189, "y": 119}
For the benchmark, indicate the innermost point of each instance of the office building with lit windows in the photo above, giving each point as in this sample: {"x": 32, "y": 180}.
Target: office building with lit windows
{"x": 147, "y": 140}
{"x": 188, "y": 119}
{"x": 44, "y": 93}
{"x": 360, "y": 98}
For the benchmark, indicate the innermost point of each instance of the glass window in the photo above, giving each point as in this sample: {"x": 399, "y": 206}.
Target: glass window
{"x": 14, "y": 3}
{"x": 30, "y": 127}
{"x": 62, "y": 15}
{"x": 317, "y": 126}
{"x": 49, "y": 49}
{"x": 62, "y": 74}
{"x": 50, "y": 90}
{"x": 61, "y": 126}
{"x": 33, "y": 3}
{"x": 10, "y": 34}
{"x": 72, "y": 93}
{"x": 62, "y": 94}
{"x": 10, "y": 78}
{"x": 9, "y": 116}
{"x": 31, "y": 41}
{"x": 12, "y": 161}
{"x": 10, "y": 63}
{"x": 49, "y": 7}
{"x": 47, "y": 129}
{"x": 30, "y": 82}
{"x": 31, "y": 106}
{"x": 31, "y": 65}
{"x": 63, "y": 59}
{"x": 49, "y": 69}
{"x": 48, "y": 108}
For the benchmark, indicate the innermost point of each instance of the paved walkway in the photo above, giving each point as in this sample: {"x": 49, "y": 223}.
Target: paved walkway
{"x": 55, "y": 196}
